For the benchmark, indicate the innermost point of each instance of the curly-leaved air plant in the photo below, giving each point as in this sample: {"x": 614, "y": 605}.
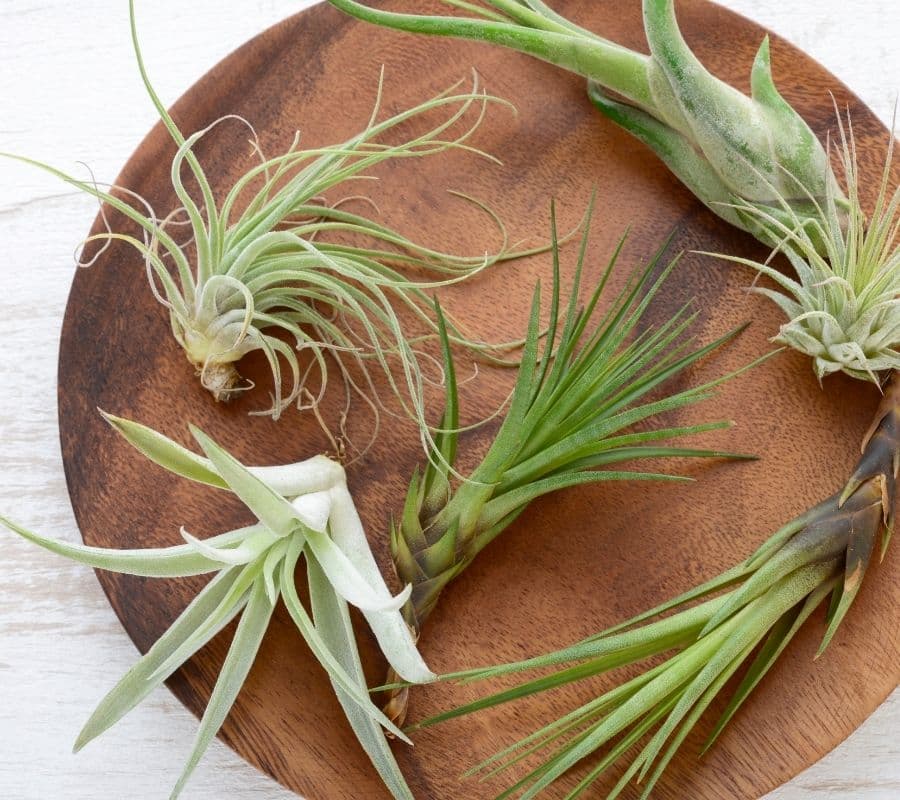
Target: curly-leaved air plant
{"x": 270, "y": 262}
{"x": 302, "y": 510}
{"x": 752, "y": 160}
{"x": 570, "y": 422}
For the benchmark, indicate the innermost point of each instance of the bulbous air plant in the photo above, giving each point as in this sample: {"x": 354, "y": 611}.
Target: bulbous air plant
{"x": 270, "y": 263}
{"x": 302, "y": 510}
{"x": 720, "y": 143}
{"x": 752, "y": 160}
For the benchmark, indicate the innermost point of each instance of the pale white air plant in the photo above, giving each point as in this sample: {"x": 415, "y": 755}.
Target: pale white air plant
{"x": 302, "y": 510}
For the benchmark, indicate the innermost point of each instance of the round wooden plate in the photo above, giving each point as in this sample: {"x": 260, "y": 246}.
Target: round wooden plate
{"x": 541, "y": 585}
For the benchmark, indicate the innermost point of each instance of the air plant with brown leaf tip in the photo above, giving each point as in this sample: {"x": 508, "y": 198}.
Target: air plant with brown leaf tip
{"x": 749, "y": 613}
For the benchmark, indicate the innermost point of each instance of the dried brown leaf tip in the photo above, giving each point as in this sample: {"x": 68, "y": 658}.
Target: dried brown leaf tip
{"x": 741, "y": 620}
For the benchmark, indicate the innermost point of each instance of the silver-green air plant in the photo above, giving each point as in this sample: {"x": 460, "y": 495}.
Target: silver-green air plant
{"x": 274, "y": 266}
{"x": 571, "y": 421}
{"x": 843, "y": 302}
{"x": 752, "y": 160}
{"x": 302, "y": 510}
{"x": 744, "y": 618}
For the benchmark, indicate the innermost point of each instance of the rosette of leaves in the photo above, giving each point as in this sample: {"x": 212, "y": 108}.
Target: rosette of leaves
{"x": 275, "y": 267}
{"x": 752, "y": 160}
{"x": 843, "y": 302}
{"x": 571, "y": 421}
{"x": 744, "y": 618}
{"x": 303, "y": 511}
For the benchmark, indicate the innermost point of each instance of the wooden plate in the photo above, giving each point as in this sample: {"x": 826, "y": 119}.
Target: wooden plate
{"x": 624, "y": 546}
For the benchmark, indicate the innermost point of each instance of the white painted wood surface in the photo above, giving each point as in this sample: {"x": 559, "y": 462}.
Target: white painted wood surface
{"x": 69, "y": 92}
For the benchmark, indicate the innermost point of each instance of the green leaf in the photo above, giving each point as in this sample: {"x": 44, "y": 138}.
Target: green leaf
{"x": 332, "y": 620}
{"x": 336, "y": 671}
{"x": 620, "y": 748}
{"x": 696, "y": 711}
{"x": 178, "y": 561}
{"x": 673, "y": 149}
{"x": 145, "y": 676}
{"x": 509, "y": 438}
{"x": 437, "y": 557}
{"x": 778, "y": 638}
{"x": 600, "y": 655}
{"x": 290, "y": 480}
{"x": 393, "y": 634}
{"x": 163, "y": 451}
{"x": 510, "y": 501}
{"x": 614, "y": 650}
{"x": 680, "y": 671}
{"x": 860, "y": 544}
{"x": 348, "y": 582}
{"x": 269, "y": 507}
{"x": 258, "y": 539}
{"x": 622, "y": 70}
{"x": 237, "y": 595}
{"x": 822, "y": 541}
{"x": 435, "y": 483}
{"x": 240, "y": 658}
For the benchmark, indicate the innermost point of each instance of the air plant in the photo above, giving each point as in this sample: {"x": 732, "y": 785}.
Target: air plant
{"x": 302, "y": 510}
{"x": 752, "y": 160}
{"x": 570, "y": 422}
{"x": 272, "y": 261}
{"x": 842, "y": 307}
{"x": 755, "y": 163}
{"x": 749, "y": 613}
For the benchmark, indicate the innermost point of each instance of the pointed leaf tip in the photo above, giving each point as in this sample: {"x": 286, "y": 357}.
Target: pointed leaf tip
{"x": 165, "y": 452}
{"x": 762, "y": 84}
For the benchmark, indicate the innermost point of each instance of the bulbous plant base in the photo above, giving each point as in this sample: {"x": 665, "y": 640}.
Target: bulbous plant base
{"x": 397, "y": 706}
{"x": 222, "y": 381}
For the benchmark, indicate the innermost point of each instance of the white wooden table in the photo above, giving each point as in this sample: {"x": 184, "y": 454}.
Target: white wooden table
{"x": 69, "y": 92}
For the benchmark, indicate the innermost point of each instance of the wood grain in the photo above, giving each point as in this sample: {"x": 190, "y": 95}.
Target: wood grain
{"x": 518, "y": 598}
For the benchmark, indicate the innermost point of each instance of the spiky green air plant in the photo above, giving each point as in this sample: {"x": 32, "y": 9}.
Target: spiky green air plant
{"x": 270, "y": 262}
{"x": 751, "y": 160}
{"x": 302, "y": 509}
{"x": 569, "y": 422}
{"x": 744, "y": 618}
